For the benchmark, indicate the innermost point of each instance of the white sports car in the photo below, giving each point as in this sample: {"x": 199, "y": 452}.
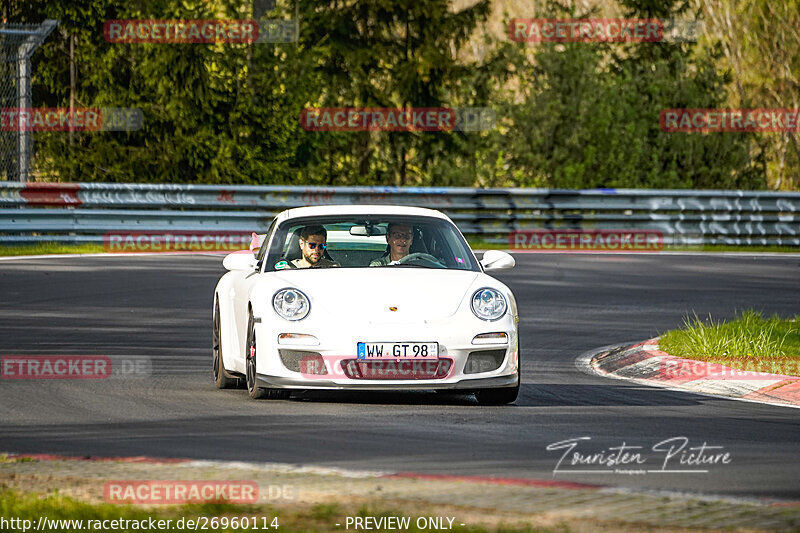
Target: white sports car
{"x": 366, "y": 298}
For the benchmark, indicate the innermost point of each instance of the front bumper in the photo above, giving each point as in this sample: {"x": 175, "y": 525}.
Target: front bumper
{"x": 466, "y": 384}
{"x": 337, "y": 347}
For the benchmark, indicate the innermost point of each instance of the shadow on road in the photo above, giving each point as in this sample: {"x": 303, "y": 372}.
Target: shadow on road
{"x": 570, "y": 395}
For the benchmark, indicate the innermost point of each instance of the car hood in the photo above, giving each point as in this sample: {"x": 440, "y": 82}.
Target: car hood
{"x": 369, "y": 293}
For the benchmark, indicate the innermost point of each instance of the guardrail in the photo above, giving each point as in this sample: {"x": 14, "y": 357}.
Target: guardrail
{"x": 84, "y": 212}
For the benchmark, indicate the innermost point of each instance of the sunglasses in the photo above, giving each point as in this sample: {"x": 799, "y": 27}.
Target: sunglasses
{"x": 313, "y": 245}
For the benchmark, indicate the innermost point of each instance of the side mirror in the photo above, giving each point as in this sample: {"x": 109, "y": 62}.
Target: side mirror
{"x": 243, "y": 260}
{"x": 497, "y": 260}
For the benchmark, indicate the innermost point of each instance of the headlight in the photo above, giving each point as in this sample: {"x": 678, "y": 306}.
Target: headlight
{"x": 488, "y": 304}
{"x": 291, "y": 304}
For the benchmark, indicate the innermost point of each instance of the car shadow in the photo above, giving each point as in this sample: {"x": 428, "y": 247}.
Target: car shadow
{"x": 386, "y": 397}
{"x": 583, "y": 395}
{"x": 531, "y": 395}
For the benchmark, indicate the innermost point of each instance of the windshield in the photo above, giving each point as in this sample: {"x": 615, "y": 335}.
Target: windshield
{"x": 369, "y": 242}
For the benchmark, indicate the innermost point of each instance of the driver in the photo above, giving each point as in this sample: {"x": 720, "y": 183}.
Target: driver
{"x": 312, "y": 242}
{"x": 399, "y": 237}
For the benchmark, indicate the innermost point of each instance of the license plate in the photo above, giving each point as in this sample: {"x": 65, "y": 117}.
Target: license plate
{"x": 395, "y": 350}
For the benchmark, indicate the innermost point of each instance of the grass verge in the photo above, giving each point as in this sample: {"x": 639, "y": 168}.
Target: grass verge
{"x": 63, "y": 514}
{"x": 748, "y": 342}
{"x": 47, "y": 248}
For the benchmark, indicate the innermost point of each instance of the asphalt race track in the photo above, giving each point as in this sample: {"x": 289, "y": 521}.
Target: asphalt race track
{"x": 160, "y": 307}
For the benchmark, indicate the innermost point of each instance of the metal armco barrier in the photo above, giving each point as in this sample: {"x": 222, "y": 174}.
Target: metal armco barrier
{"x": 84, "y": 212}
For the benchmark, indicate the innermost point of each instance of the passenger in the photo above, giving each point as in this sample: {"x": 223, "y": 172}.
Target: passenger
{"x": 399, "y": 237}
{"x": 313, "y": 242}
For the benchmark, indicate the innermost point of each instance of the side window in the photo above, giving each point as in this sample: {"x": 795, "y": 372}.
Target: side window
{"x": 448, "y": 250}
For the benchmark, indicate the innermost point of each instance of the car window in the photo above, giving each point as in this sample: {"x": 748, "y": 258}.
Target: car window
{"x": 356, "y": 242}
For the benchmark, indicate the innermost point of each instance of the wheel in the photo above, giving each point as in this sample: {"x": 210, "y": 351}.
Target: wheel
{"x": 253, "y": 389}
{"x": 251, "y": 375}
{"x": 502, "y": 395}
{"x": 221, "y": 377}
{"x": 499, "y": 396}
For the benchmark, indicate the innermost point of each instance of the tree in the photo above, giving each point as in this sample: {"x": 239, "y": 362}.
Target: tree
{"x": 213, "y": 113}
{"x": 760, "y": 41}
{"x": 390, "y": 53}
{"x": 590, "y": 115}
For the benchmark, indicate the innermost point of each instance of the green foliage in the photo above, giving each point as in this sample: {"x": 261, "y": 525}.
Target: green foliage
{"x": 571, "y": 115}
{"x": 759, "y": 40}
{"x": 590, "y": 117}
{"x": 395, "y": 54}
{"x": 223, "y": 113}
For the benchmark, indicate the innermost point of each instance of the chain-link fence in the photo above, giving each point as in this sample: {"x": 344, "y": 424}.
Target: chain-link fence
{"x": 18, "y": 42}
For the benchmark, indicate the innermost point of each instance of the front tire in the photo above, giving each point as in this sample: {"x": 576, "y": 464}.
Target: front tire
{"x": 251, "y": 374}
{"x": 221, "y": 378}
{"x": 500, "y": 395}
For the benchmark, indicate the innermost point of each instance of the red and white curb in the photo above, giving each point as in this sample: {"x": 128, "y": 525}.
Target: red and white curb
{"x": 645, "y": 363}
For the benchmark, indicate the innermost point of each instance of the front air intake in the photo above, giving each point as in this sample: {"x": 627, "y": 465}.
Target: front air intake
{"x": 303, "y": 362}
{"x": 484, "y": 361}
{"x": 402, "y": 370}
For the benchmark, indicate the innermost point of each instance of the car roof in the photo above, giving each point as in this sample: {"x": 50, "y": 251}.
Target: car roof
{"x": 350, "y": 209}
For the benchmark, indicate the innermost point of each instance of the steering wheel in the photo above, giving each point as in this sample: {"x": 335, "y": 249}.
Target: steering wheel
{"x": 417, "y": 256}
